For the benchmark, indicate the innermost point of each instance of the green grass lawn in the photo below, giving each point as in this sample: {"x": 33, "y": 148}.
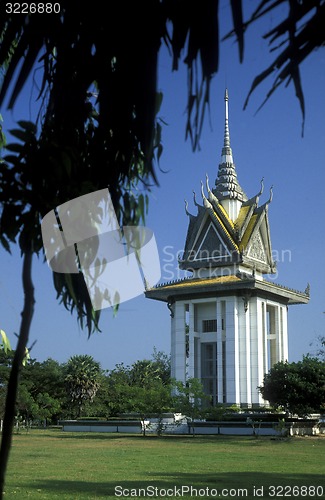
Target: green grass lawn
{"x": 71, "y": 466}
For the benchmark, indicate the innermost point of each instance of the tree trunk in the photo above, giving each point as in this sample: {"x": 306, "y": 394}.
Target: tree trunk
{"x": 26, "y": 319}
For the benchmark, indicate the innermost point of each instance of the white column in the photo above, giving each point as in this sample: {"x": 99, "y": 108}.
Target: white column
{"x": 221, "y": 322}
{"x": 172, "y": 341}
{"x": 258, "y": 347}
{"x": 242, "y": 366}
{"x": 245, "y": 354}
{"x": 191, "y": 358}
{"x": 265, "y": 341}
{"x": 285, "y": 333}
{"x": 232, "y": 358}
{"x": 178, "y": 350}
{"x": 254, "y": 306}
{"x": 251, "y": 309}
{"x": 262, "y": 350}
{"x": 278, "y": 334}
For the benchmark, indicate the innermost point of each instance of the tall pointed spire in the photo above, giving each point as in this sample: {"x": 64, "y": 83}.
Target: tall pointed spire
{"x": 227, "y": 189}
{"x": 226, "y": 150}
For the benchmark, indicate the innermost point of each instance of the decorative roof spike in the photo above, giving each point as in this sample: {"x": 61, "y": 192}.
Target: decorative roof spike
{"x": 207, "y": 183}
{"x": 262, "y": 187}
{"x": 194, "y": 199}
{"x": 186, "y": 208}
{"x": 226, "y": 150}
{"x": 202, "y": 191}
{"x": 257, "y": 197}
{"x": 271, "y": 195}
{"x": 199, "y": 207}
{"x": 211, "y": 195}
{"x": 206, "y": 202}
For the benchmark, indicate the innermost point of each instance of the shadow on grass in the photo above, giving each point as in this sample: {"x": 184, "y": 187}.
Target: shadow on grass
{"x": 177, "y": 484}
{"x": 188, "y": 438}
{"x": 103, "y": 436}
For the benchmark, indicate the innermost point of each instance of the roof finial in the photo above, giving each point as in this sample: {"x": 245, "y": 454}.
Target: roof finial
{"x": 194, "y": 199}
{"x": 226, "y": 142}
{"x": 207, "y": 183}
{"x": 186, "y": 207}
{"x": 206, "y": 202}
{"x": 262, "y": 187}
{"x": 227, "y": 186}
{"x": 226, "y": 150}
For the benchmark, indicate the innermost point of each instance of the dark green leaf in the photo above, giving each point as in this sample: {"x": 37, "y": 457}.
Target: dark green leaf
{"x": 15, "y": 148}
{"x": 23, "y": 135}
{"x": 5, "y": 243}
{"x": 29, "y": 126}
{"x": 237, "y": 16}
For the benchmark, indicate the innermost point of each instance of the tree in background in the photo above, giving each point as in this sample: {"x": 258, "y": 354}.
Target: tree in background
{"x": 124, "y": 381}
{"x": 320, "y": 347}
{"x": 41, "y": 391}
{"x": 5, "y": 367}
{"x": 50, "y": 391}
{"x": 117, "y": 381}
{"x": 43, "y": 385}
{"x": 145, "y": 372}
{"x": 190, "y": 398}
{"x": 82, "y": 380}
{"x": 298, "y": 387}
{"x": 149, "y": 401}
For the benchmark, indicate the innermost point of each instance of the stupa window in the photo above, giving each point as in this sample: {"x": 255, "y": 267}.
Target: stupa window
{"x": 209, "y": 325}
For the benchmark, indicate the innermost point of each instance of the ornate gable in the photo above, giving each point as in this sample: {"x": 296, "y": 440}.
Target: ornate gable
{"x": 256, "y": 250}
{"x": 211, "y": 245}
{"x": 255, "y": 243}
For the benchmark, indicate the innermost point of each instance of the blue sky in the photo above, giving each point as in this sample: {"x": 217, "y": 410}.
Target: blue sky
{"x": 267, "y": 144}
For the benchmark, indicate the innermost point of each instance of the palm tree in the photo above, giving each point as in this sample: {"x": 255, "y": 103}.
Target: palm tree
{"x": 82, "y": 380}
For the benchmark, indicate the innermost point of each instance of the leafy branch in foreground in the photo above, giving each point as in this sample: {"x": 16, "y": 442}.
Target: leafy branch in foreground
{"x": 294, "y": 38}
